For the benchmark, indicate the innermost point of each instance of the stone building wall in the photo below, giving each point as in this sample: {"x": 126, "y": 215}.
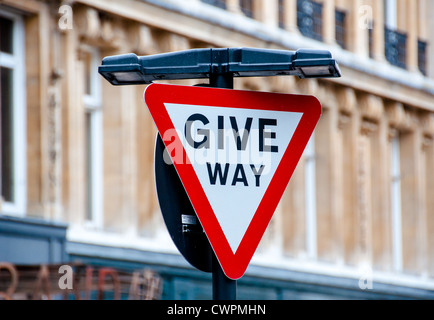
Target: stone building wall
{"x": 360, "y": 200}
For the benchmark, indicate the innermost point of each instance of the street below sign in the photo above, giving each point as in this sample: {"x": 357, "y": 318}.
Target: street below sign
{"x": 235, "y": 152}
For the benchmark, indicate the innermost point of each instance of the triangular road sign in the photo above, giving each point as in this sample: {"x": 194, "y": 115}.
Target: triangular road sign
{"x": 235, "y": 152}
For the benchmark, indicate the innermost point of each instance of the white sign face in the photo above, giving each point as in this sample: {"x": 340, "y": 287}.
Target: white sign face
{"x": 235, "y": 153}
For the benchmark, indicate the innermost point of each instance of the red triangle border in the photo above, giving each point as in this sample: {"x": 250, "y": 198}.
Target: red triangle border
{"x": 235, "y": 264}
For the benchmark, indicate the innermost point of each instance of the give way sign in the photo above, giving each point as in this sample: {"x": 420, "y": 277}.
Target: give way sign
{"x": 235, "y": 152}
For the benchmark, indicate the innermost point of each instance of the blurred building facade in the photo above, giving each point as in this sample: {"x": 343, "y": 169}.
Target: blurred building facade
{"x": 77, "y": 182}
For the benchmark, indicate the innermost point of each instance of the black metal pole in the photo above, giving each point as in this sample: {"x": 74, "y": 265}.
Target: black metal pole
{"x": 225, "y": 81}
{"x": 223, "y": 288}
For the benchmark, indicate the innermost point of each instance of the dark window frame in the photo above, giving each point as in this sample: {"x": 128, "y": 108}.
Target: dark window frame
{"x": 422, "y": 47}
{"x": 340, "y": 28}
{"x": 310, "y": 19}
{"x": 281, "y": 13}
{"x": 246, "y": 7}
{"x": 216, "y": 3}
{"x": 395, "y": 44}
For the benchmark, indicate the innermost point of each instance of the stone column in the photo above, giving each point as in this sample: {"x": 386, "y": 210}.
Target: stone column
{"x": 412, "y": 36}
{"x": 266, "y": 11}
{"x": 364, "y": 199}
{"x": 73, "y": 120}
{"x": 290, "y": 15}
{"x": 430, "y": 50}
{"x": 358, "y": 36}
{"x": 381, "y": 218}
{"x": 51, "y": 151}
{"x": 423, "y": 12}
{"x": 329, "y": 22}
{"x": 378, "y": 31}
{"x": 412, "y": 190}
{"x": 370, "y": 177}
{"x": 348, "y": 128}
{"x": 427, "y": 187}
{"x": 328, "y": 151}
{"x": 232, "y": 6}
{"x": 428, "y": 149}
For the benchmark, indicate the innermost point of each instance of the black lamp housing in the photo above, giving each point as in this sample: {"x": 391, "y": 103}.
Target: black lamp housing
{"x": 130, "y": 69}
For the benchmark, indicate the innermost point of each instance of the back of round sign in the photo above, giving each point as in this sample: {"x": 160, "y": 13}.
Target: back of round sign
{"x": 178, "y": 213}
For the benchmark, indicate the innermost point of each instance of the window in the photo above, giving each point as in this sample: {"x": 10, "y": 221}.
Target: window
{"x": 93, "y": 137}
{"x": 247, "y": 7}
{"x": 281, "y": 14}
{"x": 309, "y": 18}
{"x": 217, "y": 3}
{"x": 13, "y": 114}
{"x": 340, "y": 17}
{"x": 396, "y": 204}
{"x": 371, "y": 41}
{"x": 422, "y": 46}
{"x": 395, "y": 47}
{"x": 310, "y": 198}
